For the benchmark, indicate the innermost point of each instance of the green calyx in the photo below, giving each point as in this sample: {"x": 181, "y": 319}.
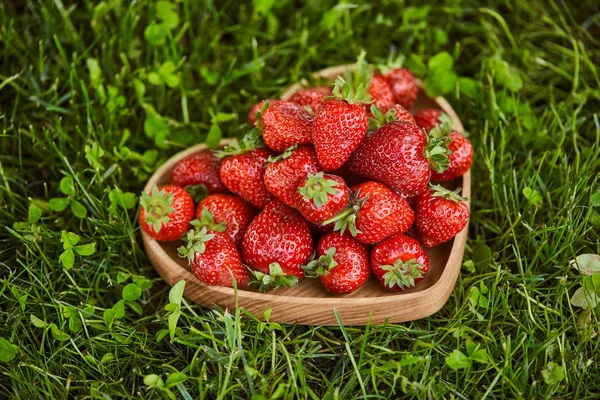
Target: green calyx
{"x": 252, "y": 140}
{"x": 394, "y": 61}
{"x": 353, "y": 87}
{"x": 259, "y": 114}
{"x": 402, "y": 273}
{"x": 322, "y": 265}
{"x": 195, "y": 243}
{"x": 207, "y": 221}
{"x": 440, "y": 191}
{"x": 287, "y": 153}
{"x": 347, "y": 218}
{"x": 273, "y": 280}
{"x": 158, "y": 207}
{"x": 318, "y": 189}
{"x": 438, "y": 140}
{"x": 379, "y": 118}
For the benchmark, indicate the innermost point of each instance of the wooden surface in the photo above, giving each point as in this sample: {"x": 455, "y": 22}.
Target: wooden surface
{"x": 309, "y": 303}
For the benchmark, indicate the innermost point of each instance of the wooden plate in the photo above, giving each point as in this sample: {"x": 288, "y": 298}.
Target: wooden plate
{"x": 309, "y": 303}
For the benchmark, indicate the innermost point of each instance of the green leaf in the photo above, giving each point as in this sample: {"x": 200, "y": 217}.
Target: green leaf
{"x": 587, "y": 264}
{"x": 86, "y": 249}
{"x": 553, "y": 373}
{"x": 38, "y": 323}
{"x": 223, "y": 117}
{"x": 213, "y": 139}
{"x": 595, "y": 200}
{"x": 59, "y": 203}
{"x": 155, "y": 79}
{"x": 175, "y": 379}
{"x": 173, "y": 318}
{"x": 154, "y": 381}
{"x": 142, "y": 282}
{"x": 75, "y": 324}
{"x": 106, "y": 358}
{"x": 93, "y": 154}
{"x": 67, "y": 186}
{"x": 416, "y": 65}
{"x": 482, "y": 256}
{"x": 441, "y": 61}
{"x": 69, "y": 239}
{"x": 109, "y": 317}
{"x": 156, "y": 34}
{"x": 211, "y": 77}
{"x": 409, "y": 360}
{"x": 136, "y": 307}
{"x": 58, "y": 334}
{"x": 34, "y": 213}
{"x": 165, "y": 10}
{"x": 8, "y": 351}
{"x": 78, "y": 209}
{"x": 122, "y": 276}
{"x": 504, "y": 74}
{"x": 469, "y": 87}
{"x": 457, "y": 360}
{"x": 131, "y": 292}
{"x": 584, "y": 298}
{"x": 176, "y": 292}
{"x": 119, "y": 309}
{"x": 533, "y": 196}
{"x": 67, "y": 258}
{"x": 263, "y": 6}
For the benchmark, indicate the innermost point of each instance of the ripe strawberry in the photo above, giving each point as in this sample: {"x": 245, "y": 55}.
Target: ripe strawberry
{"x": 284, "y": 124}
{"x": 279, "y": 235}
{"x": 201, "y": 168}
{"x": 339, "y": 125}
{"x": 374, "y": 213}
{"x": 396, "y": 112}
{"x": 401, "y": 114}
{"x": 400, "y": 155}
{"x": 399, "y": 262}
{"x": 284, "y": 172}
{"x": 311, "y": 97}
{"x": 225, "y": 213}
{"x": 214, "y": 258}
{"x": 320, "y": 196}
{"x": 428, "y": 118}
{"x": 166, "y": 212}
{"x": 441, "y": 215}
{"x": 342, "y": 263}
{"x": 380, "y": 91}
{"x": 459, "y": 161}
{"x": 403, "y": 85}
{"x": 257, "y": 107}
{"x": 243, "y": 169}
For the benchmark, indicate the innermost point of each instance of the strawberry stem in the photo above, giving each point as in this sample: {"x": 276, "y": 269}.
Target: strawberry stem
{"x": 322, "y": 265}
{"x": 274, "y": 279}
{"x": 454, "y": 195}
{"x": 196, "y": 243}
{"x": 347, "y": 218}
{"x": 158, "y": 207}
{"x": 207, "y": 221}
{"x": 318, "y": 189}
{"x": 252, "y": 140}
{"x": 402, "y": 273}
{"x": 286, "y": 154}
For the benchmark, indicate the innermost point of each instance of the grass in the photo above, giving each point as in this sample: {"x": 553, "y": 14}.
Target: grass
{"x": 91, "y": 105}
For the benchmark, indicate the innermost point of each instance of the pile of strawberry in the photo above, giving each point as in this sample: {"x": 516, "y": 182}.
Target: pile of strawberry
{"x": 331, "y": 184}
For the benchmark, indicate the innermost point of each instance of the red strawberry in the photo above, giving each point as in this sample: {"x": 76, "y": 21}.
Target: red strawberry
{"x": 403, "y": 85}
{"x": 278, "y": 235}
{"x": 342, "y": 263}
{"x": 375, "y": 213}
{"x": 380, "y": 91}
{"x": 396, "y": 112}
{"x": 284, "y": 124}
{"x": 201, "y": 168}
{"x": 399, "y": 154}
{"x": 441, "y": 215}
{"x": 459, "y": 161}
{"x": 225, "y": 213}
{"x": 339, "y": 126}
{"x": 166, "y": 212}
{"x": 214, "y": 258}
{"x": 320, "y": 197}
{"x": 312, "y": 97}
{"x": 428, "y": 118}
{"x": 243, "y": 169}
{"x": 401, "y": 114}
{"x": 257, "y": 107}
{"x": 399, "y": 262}
{"x": 284, "y": 172}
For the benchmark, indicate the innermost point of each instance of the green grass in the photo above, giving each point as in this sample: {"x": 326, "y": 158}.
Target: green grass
{"x": 72, "y": 105}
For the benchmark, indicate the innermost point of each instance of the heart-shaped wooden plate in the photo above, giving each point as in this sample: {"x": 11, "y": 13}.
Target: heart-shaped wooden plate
{"x": 309, "y": 303}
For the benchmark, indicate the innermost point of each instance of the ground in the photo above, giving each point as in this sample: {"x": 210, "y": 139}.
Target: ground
{"x": 95, "y": 95}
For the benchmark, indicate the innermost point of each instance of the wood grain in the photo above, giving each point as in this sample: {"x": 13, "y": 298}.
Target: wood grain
{"x": 309, "y": 303}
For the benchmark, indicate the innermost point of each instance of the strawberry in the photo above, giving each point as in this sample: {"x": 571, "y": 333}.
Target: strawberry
{"x": 441, "y": 215}
{"x": 311, "y": 97}
{"x": 342, "y": 263}
{"x": 380, "y": 91}
{"x": 201, "y": 168}
{"x": 166, "y": 212}
{"x": 284, "y": 172}
{"x": 374, "y": 213}
{"x": 284, "y": 124}
{"x": 252, "y": 118}
{"x": 399, "y": 155}
{"x": 399, "y": 262}
{"x": 428, "y": 118}
{"x": 403, "y": 85}
{"x": 279, "y": 235}
{"x": 396, "y": 112}
{"x": 225, "y": 213}
{"x": 242, "y": 169}
{"x": 401, "y": 114}
{"x": 321, "y": 196}
{"x": 459, "y": 161}
{"x": 214, "y": 258}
